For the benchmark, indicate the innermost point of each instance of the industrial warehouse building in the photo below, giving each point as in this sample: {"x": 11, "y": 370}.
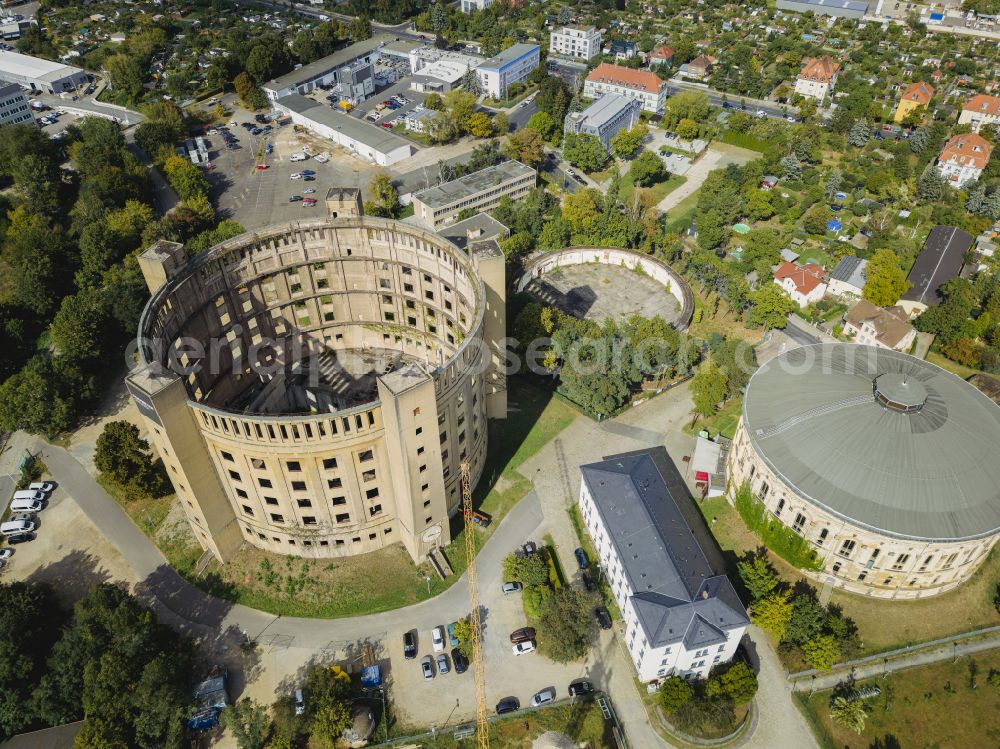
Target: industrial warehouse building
{"x": 356, "y": 376}
{"x": 371, "y": 143}
{"x": 479, "y": 191}
{"x": 40, "y": 75}
{"x": 681, "y": 615}
{"x": 327, "y": 70}
{"x": 888, "y": 465}
{"x": 838, "y": 8}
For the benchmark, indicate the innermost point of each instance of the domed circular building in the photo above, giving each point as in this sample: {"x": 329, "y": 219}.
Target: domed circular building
{"x": 313, "y": 388}
{"x": 888, "y": 465}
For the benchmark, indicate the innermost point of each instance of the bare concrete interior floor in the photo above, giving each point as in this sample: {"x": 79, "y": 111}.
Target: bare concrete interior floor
{"x": 593, "y": 291}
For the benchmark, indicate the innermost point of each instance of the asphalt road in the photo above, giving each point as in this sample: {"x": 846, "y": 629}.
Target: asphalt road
{"x": 718, "y": 98}
{"x": 800, "y": 336}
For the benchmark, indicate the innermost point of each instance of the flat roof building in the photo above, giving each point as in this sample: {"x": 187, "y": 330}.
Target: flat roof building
{"x": 940, "y": 260}
{"x": 14, "y": 108}
{"x": 480, "y": 191}
{"x": 605, "y": 118}
{"x": 511, "y": 66}
{"x": 39, "y": 74}
{"x": 581, "y": 42}
{"x": 681, "y": 615}
{"x": 478, "y": 228}
{"x": 324, "y": 71}
{"x": 837, "y": 8}
{"x": 368, "y": 142}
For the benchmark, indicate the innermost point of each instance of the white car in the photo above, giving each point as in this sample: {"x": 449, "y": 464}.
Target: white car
{"x": 6, "y": 552}
{"x": 528, "y": 646}
{"x": 761, "y": 113}
{"x": 294, "y": 175}
{"x": 437, "y": 639}
{"x": 42, "y": 486}
{"x": 322, "y": 158}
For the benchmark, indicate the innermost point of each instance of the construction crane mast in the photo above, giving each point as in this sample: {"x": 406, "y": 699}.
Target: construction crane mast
{"x": 479, "y": 668}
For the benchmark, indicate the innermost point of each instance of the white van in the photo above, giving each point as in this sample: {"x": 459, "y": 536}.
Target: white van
{"x": 13, "y": 527}
{"x": 298, "y": 157}
{"x": 30, "y": 495}
{"x": 23, "y": 504}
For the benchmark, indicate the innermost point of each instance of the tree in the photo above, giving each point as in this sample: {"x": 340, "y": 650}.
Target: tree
{"x": 461, "y": 104}
{"x": 712, "y": 229}
{"x": 564, "y": 623}
{"x": 517, "y": 245}
{"x": 770, "y": 307}
{"x": 384, "y": 194}
{"x": 543, "y": 123}
{"x": 585, "y": 152}
{"x": 687, "y": 129}
{"x": 690, "y": 105}
{"x": 627, "y": 142}
{"x": 851, "y": 714}
{"x": 930, "y": 184}
{"x": 807, "y": 620}
{"x": 325, "y": 685}
{"x": 434, "y": 101}
{"x": 821, "y": 652}
{"x": 525, "y": 146}
{"x": 791, "y": 168}
{"x": 38, "y": 398}
{"x": 757, "y": 574}
{"x": 885, "y": 281}
{"x": 772, "y": 613}
{"x": 122, "y": 456}
{"x": 480, "y": 125}
{"x": 99, "y": 734}
{"x": 464, "y": 634}
{"x": 554, "y": 98}
{"x": 860, "y": 133}
{"x": 675, "y": 693}
{"x": 249, "y": 723}
{"x": 360, "y": 29}
{"x": 125, "y": 77}
{"x": 501, "y": 123}
{"x": 708, "y": 389}
{"x": 647, "y": 169}
{"x": 528, "y": 569}
{"x": 738, "y": 682}
{"x": 186, "y": 178}
{"x": 83, "y": 327}
{"x": 582, "y": 208}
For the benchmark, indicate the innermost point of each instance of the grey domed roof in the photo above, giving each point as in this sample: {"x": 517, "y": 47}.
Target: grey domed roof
{"x": 884, "y": 440}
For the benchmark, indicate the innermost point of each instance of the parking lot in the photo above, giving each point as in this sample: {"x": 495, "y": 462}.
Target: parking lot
{"x": 256, "y": 197}
{"x": 400, "y": 88}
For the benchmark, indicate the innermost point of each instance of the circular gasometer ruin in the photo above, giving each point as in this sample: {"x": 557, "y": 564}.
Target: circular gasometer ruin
{"x": 313, "y": 388}
{"x": 887, "y": 465}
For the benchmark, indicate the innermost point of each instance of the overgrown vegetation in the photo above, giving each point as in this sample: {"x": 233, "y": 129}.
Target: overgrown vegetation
{"x": 778, "y": 537}
{"x": 709, "y": 707}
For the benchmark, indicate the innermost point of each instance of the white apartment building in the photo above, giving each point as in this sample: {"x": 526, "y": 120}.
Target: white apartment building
{"x": 980, "y": 110}
{"x": 646, "y": 87}
{"x": 581, "y": 42}
{"x": 817, "y": 78}
{"x": 963, "y": 158}
{"x": 470, "y": 6}
{"x": 14, "y": 107}
{"x": 511, "y": 66}
{"x": 680, "y": 615}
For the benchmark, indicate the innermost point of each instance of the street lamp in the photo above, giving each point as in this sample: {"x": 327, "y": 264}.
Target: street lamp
{"x": 428, "y": 579}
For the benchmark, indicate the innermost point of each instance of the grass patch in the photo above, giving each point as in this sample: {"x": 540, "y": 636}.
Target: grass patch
{"x": 557, "y": 577}
{"x": 148, "y": 513}
{"x": 380, "y": 580}
{"x": 660, "y": 190}
{"x": 587, "y": 544}
{"x": 925, "y": 706}
{"x": 779, "y": 538}
{"x": 935, "y": 357}
{"x": 743, "y": 140}
{"x": 400, "y": 129}
{"x": 724, "y": 422}
{"x": 685, "y": 210}
{"x": 507, "y": 103}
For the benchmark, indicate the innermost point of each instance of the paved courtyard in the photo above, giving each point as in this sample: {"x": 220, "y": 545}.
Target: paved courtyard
{"x": 594, "y": 291}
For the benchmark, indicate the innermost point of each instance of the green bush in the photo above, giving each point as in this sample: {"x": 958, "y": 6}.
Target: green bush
{"x": 780, "y": 539}
{"x": 533, "y": 599}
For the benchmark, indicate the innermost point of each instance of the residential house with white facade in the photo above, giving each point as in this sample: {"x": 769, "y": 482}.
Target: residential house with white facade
{"x": 963, "y": 158}
{"x": 646, "y": 87}
{"x": 580, "y": 42}
{"x": 803, "y": 283}
{"x": 680, "y": 615}
{"x": 887, "y": 328}
{"x": 511, "y": 66}
{"x": 848, "y": 277}
{"x": 980, "y": 110}
{"x": 817, "y": 78}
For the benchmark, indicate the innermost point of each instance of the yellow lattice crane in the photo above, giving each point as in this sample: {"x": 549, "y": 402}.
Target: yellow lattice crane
{"x": 478, "y": 667}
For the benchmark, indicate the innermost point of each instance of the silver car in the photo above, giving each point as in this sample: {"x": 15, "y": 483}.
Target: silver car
{"x": 427, "y": 666}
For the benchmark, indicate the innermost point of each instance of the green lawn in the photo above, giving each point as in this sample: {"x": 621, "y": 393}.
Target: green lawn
{"x": 724, "y": 422}
{"x": 944, "y": 362}
{"x": 689, "y": 204}
{"x": 660, "y": 190}
{"x": 940, "y": 706}
{"x": 385, "y": 579}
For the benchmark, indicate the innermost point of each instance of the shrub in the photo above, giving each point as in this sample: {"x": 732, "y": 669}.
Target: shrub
{"x": 533, "y": 598}
{"x": 675, "y": 693}
{"x": 780, "y": 539}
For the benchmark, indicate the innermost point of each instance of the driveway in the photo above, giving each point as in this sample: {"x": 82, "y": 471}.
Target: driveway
{"x": 714, "y": 157}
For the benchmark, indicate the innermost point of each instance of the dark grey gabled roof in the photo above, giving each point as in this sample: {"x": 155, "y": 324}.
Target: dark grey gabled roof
{"x": 677, "y": 595}
{"x": 939, "y": 261}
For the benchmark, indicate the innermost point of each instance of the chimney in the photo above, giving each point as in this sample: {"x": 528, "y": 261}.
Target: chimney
{"x": 474, "y": 233}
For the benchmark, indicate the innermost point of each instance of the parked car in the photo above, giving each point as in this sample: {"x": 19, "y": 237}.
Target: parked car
{"x": 588, "y": 582}
{"x": 30, "y": 494}
{"x": 308, "y": 178}
{"x": 427, "y": 666}
{"x": 511, "y": 587}
{"x": 442, "y": 661}
{"x": 293, "y": 175}
{"x": 6, "y": 553}
{"x": 580, "y": 688}
{"x": 307, "y": 172}
{"x": 410, "y": 645}
{"x": 294, "y": 198}
{"x": 603, "y": 617}
{"x": 437, "y": 639}
{"x": 20, "y": 538}
{"x": 529, "y": 547}
{"x": 262, "y": 167}
{"x": 543, "y": 697}
{"x": 528, "y": 646}
{"x": 451, "y": 635}
{"x": 460, "y": 662}
{"x": 17, "y": 527}
{"x": 300, "y": 705}
{"x": 26, "y": 505}
{"x": 508, "y": 705}
{"x": 522, "y": 635}
{"x": 308, "y": 203}
{"x": 581, "y": 558}
{"x": 309, "y": 191}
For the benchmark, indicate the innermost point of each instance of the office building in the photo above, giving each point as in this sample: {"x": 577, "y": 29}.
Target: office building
{"x": 511, "y": 66}
{"x": 605, "y": 117}
{"x": 479, "y": 191}
{"x": 14, "y": 108}
{"x": 328, "y": 71}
